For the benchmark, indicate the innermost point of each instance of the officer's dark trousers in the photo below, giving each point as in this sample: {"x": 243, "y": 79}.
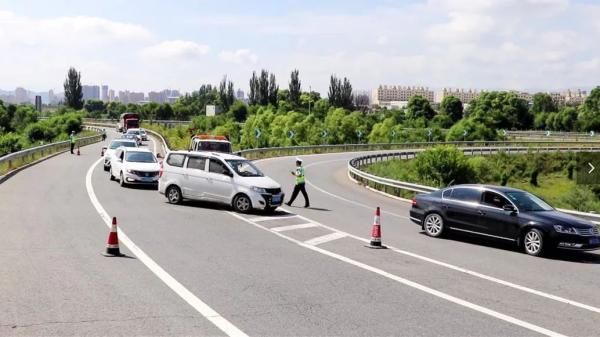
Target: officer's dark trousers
{"x": 72, "y": 147}
{"x": 300, "y": 188}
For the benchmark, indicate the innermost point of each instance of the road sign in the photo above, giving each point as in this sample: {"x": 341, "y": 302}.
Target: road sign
{"x": 291, "y": 134}
{"x": 504, "y": 133}
{"x": 548, "y": 133}
{"x": 393, "y": 133}
{"x": 592, "y": 133}
{"x": 324, "y": 133}
{"x": 257, "y": 132}
{"x": 429, "y": 132}
{"x": 465, "y": 133}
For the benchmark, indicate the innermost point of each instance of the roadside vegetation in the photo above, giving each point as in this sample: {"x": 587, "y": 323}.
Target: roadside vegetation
{"x": 549, "y": 175}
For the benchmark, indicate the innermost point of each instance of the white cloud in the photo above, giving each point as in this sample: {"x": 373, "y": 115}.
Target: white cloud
{"x": 240, "y": 56}
{"x": 176, "y": 49}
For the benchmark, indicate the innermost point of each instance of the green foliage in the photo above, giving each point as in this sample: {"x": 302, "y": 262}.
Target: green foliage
{"x": 9, "y": 142}
{"x": 419, "y": 107}
{"x": 295, "y": 89}
{"x": 453, "y": 108}
{"x": 589, "y": 115}
{"x": 501, "y": 110}
{"x": 95, "y": 108}
{"x": 543, "y": 103}
{"x": 239, "y": 110}
{"x": 475, "y": 130}
{"x": 582, "y": 199}
{"x": 443, "y": 166}
{"x": 73, "y": 90}
{"x": 340, "y": 93}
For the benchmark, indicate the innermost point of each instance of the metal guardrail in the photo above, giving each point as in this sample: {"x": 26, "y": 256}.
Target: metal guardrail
{"x": 113, "y": 122}
{"x": 16, "y": 159}
{"x": 392, "y": 187}
{"x": 260, "y": 153}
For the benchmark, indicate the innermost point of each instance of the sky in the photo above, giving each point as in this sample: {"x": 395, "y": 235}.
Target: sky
{"x": 156, "y": 44}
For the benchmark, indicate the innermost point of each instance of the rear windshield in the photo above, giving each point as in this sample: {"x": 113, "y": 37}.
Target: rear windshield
{"x": 213, "y": 147}
{"x": 140, "y": 157}
{"x": 117, "y": 144}
{"x": 134, "y": 132}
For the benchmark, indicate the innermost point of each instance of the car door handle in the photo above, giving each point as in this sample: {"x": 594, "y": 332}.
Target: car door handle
{"x": 481, "y": 212}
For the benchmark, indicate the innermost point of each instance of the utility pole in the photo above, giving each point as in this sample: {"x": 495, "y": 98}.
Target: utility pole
{"x": 309, "y": 97}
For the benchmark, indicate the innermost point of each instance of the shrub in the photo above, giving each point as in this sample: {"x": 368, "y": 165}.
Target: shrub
{"x": 444, "y": 165}
{"x": 10, "y": 142}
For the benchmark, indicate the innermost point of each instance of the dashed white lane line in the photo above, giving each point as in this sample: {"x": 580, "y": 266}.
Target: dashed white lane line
{"x": 294, "y": 227}
{"x": 325, "y": 238}
{"x": 412, "y": 284}
{"x": 272, "y": 218}
{"x": 202, "y": 308}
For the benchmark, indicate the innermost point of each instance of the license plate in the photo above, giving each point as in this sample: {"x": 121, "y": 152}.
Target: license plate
{"x": 276, "y": 199}
{"x": 146, "y": 179}
{"x": 594, "y": 241}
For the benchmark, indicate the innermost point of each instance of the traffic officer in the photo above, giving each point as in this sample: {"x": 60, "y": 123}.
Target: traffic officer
{"x": 300, "y": 184}
{"x": 73, "y": 139}
{"x": 103, "y": 134}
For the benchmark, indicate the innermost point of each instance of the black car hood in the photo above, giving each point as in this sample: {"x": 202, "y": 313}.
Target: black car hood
{"x": 558, "y": 218}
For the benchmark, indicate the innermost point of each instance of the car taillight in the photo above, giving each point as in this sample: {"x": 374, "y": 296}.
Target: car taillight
{"x": 160, "y": 172}
{"x": 414, "y": 201}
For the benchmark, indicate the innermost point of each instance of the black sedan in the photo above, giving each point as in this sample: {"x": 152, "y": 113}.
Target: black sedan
{"x": 503, "y": 213}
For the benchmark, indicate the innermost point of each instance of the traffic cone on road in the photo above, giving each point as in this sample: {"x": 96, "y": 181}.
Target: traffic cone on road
{"x": 112, "y": 246}
{"x": 376, "y": 232}
{"x": 102, "y": 152}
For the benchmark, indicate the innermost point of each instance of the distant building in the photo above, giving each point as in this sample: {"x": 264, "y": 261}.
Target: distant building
{"x": 91, "y": 92}
{"x": 104, "y": 93}
{"x": 384, "y": 95}
{"x": 51, "y": 97}
{"x": 239, "y": 94}
{"x": 524, "y": 95}
{"x": 21, "y": 95}
{"x": 124, "y": 96}
{"x": 465, "y": 96}
{"x": 575, "y": 97}
{"x": 136, "y": 97}
{"x": 38, "y": 103}
{"x": 111, "y": 95}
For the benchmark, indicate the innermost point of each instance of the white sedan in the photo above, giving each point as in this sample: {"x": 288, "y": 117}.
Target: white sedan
{"x": 112, "y": 147}
{"x": 134, "y": 166}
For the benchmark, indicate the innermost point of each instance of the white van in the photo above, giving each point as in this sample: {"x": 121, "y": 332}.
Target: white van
{"x": 217, "y": 177}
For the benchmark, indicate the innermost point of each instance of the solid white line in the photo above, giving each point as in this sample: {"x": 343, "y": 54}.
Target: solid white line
{"x": 294, "y": 227}
{"x": 272, "y": 218}
{"x": 202, "y": 308}
{"x": 412, "y": 284}
{"x": 464, "y": 270}
{"x": 325, "y": 238}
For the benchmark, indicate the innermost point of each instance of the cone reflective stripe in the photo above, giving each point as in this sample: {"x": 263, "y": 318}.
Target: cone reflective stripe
{"x": 112, "y": 246}
{"x": 376, "y": 231}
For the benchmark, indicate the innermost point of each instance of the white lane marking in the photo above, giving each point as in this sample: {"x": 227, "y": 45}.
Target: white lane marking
{"x": 272, "y": 218}
{"x": 202, "y": 308}
{"x": 325, "y": 238}
{"x": 356, "y": 203}
{"x": 463, "y": 270}
{"x": 413, "y": 284}
{"x": 294, "y": 227}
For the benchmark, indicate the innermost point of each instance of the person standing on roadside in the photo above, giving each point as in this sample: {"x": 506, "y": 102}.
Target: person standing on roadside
{"x": 73, "y": 139}
{"x": 300, "y": 184}
{"x": 103, "y": 134}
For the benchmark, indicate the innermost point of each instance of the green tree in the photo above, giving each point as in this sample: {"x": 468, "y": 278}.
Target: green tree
{"x": 23, "y": 116}
{"x": 443, "y": 166}
{"x": 453, "y": 107}
{"x": 253, "y": 96}
{"x": 543, "y": 103}
{"x": 94, "y": 107}
{"x": 501, "y": 110}
{"x": 239, "y": 111}
{"x": 471, "y": 129}
{"x": 340, "y": 93}
{"x": 73, "y": 90}
{"x": 115, "y": 109}
{"x": 273, "y": 90}
{"x": 419, "y": 107}
{"x": 589, "y": 115}
{"x": 295, "y": 89}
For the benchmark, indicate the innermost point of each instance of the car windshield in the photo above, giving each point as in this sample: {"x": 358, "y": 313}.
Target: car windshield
{"x": 134, "y": 132}
{"x": 116, "y": 144}
{"x": 140, "y": 157}
{"x": 222, "y": 147}
{"x": 245, "y": 168}
{"x": 528, "y": 202}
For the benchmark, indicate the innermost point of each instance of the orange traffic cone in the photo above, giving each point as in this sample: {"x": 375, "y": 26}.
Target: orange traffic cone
{"x": 376, "y": 232}
{"x": 112, "y": 246}
{"x": 102, "y": 152}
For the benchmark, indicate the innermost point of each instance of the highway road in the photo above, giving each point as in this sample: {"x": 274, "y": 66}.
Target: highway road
{"x": 199, "y": 269}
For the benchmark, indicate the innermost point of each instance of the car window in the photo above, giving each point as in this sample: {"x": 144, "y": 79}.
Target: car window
{"x": 466, "y": 194}
{"x": 176, "y": 159}
{"x": 245, "y": 168}
{"x": 140, "y": 157}
{"x": 528, "y": 202}
{"x": 196, "y": 163}
{"x": 216, "y": 166}
{"x": 494, "y": 199}
{"x": 213, "y": 147}
{"x": 447, "y": 193}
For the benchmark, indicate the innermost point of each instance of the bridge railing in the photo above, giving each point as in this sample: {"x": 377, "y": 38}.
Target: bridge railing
{"x": 18, "y": 159}
{"x": 403, "y": 189}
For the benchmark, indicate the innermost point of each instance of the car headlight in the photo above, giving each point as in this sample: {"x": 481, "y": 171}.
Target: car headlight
{"x": 130, "y": 171}
{"x": 258, "y": 189}
{"x": 565, "y": 229}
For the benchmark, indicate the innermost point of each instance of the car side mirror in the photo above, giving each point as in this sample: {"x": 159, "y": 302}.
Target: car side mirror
{"x": 509, "y": 208}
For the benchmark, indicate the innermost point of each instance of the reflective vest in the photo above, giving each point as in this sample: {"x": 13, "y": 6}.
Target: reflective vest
{"x": 73, "y": 139}
{"x": 299, "y": 175}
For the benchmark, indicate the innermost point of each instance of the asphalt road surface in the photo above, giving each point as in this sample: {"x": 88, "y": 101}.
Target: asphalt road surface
{"x": 199, "y": 269}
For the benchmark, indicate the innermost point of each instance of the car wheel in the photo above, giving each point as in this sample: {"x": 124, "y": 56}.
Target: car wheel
{"x": 174, "y": 195}
{"x": 122, "y": 180}
{"x": 242, "y": 204}
{"x": 533, "y": 242}
{"x": 106, "y": 168}
{"x": 433, "y": 225}
{"x": 110, "y": 175}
